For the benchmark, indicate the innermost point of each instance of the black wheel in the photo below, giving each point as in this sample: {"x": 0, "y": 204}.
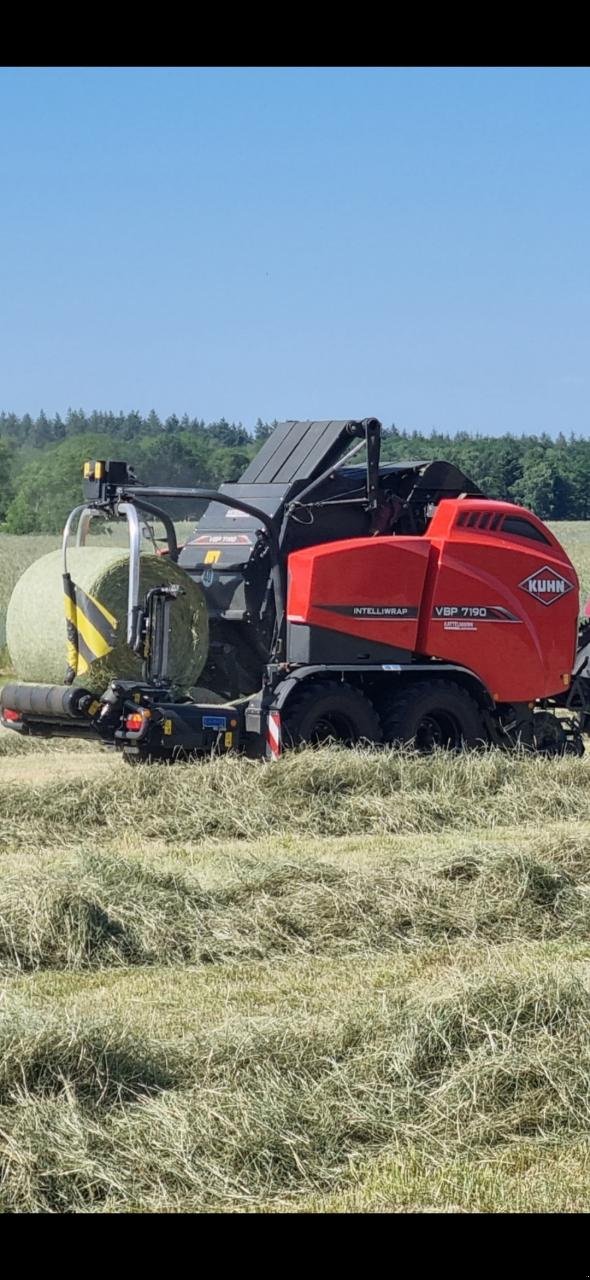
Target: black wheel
{"x": 326, "y": 711}
{"x": 431, "y": 714}
{"x": 549, "y": 738}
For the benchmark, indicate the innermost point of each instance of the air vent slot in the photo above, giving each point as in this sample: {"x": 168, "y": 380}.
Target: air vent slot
{"x": 473, "y": 519}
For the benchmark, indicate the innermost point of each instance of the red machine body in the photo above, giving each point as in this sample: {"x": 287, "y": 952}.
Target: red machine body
{"x": 488, "y": 587}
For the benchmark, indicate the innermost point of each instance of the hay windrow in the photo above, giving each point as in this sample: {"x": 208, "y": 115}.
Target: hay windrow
{"x": 307, "y": 794}
{"x": 249, "y": 1115}
{"x": 99, "y": 911}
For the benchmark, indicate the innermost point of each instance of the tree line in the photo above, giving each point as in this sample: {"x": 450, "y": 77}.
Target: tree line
{"x": 41, "y": 460}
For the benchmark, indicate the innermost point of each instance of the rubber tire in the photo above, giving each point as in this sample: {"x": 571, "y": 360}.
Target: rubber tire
{"x": 548, "y": 736}
{"x": 314, "y": 702}
{"x": 403, "y": 712}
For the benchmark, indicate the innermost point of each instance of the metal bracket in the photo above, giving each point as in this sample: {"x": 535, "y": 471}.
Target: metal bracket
{"x": 129, "y": 510}
{"x": 154, "y": 635}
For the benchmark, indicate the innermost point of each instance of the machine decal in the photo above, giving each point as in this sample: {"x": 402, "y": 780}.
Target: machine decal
{"x": 221, "y": 540}
{"x": 472, "y": 612}
{"x": 546, "y": 585}
{"x": 215, "y": 722}
{"x": 375, "y": 612}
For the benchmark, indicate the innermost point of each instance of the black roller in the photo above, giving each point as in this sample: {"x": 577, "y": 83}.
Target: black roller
{"x": 53, "y": 701}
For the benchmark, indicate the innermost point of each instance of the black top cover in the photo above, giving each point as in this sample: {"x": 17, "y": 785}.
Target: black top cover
{"x": 296, "y": 451}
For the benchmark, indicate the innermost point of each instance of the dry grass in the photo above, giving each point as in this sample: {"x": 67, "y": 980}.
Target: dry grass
{"x": 312, "y": 794}
{"x": 95, "y": 1114}
{"x": 357, "y": 981}
{"x": 87, "y": 910}
{"x": 380, "y": 1023}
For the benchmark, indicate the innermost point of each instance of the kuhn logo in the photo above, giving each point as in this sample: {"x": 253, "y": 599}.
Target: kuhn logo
{"x": 546, "y": 585}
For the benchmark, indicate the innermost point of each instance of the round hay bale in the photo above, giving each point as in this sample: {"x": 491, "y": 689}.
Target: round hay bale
{"x": 36, "y": 625}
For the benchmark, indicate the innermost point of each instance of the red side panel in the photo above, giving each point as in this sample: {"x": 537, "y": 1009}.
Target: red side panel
{"x": 366, "y": 587}
{"x": 502, "y": 604}
{"x": 489, "y": 587}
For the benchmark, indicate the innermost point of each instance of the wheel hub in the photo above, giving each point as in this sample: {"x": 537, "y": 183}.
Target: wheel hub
{"x": 437, "y": 729}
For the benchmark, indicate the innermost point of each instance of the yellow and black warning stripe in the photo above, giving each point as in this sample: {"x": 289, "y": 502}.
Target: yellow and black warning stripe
{"x": 91, "y": 629}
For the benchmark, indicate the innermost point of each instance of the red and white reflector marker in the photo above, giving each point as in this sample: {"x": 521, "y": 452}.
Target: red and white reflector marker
{"x": 13, "y": 717}
{"x": 273, "y": 736}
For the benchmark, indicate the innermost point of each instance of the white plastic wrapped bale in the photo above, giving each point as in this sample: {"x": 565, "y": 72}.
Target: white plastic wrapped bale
{"x": 36, "y": 625}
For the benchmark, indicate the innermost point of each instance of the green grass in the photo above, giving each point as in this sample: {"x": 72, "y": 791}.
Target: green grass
{"x": 351, "y": 982}
{"x": 575, "y": 537}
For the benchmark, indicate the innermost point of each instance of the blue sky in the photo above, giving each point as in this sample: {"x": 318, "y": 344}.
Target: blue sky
{"x": 410, "y": 244}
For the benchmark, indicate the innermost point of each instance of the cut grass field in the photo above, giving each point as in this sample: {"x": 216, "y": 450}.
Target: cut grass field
{"x": 348, "y": 982}
{"x": 353, "y": 981}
